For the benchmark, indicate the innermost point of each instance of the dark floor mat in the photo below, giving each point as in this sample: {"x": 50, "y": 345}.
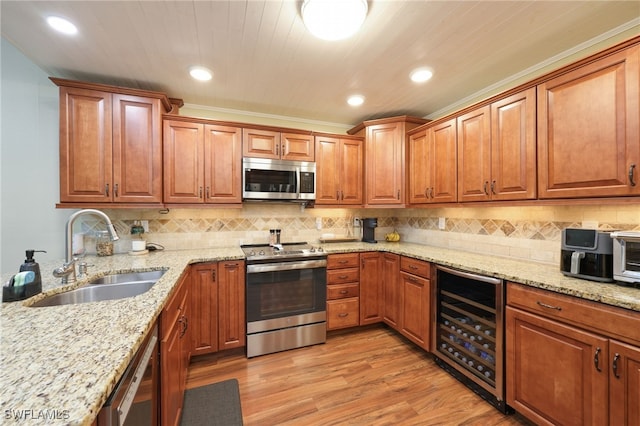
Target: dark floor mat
{"x": 217, "y": 404}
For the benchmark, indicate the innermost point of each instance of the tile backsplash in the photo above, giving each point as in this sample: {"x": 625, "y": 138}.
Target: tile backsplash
{"x": 528, "y": 233}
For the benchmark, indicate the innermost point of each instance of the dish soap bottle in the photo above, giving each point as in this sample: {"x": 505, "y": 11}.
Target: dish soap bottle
{"x": 30, "y": 264}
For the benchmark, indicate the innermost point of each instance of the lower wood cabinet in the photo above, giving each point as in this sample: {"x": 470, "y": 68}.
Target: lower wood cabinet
{"x": 218, "y": 304}
{"x": 371, "y": 288}
{"x": 174, "y": 353}
{"x": 415, "y": 301}
{"x": 343, "y": 290}
{"x": 566, "y": 363}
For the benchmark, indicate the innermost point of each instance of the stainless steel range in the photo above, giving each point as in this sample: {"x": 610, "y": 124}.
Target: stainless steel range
{"x": 286, "y": 297}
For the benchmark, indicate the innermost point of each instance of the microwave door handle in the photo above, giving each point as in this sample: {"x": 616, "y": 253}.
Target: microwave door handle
{"x": 297, "y": 183}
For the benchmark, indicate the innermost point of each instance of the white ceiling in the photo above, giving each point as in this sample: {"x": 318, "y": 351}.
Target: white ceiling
{"x": 264, "y": 60}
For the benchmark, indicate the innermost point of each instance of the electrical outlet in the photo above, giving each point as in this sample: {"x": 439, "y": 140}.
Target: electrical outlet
{"x": 145, "y": 225}
{"x": 442, "y": 224}
{"x": 590, "y": 224}
{"x": 318, "y": 223}
{"x": 356, "y": 222}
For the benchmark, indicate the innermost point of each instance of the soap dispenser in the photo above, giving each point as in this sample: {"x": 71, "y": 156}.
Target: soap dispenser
{"x": 30, "y": 264}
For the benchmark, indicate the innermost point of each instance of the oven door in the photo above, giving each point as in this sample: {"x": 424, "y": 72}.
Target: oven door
{"x": 279, "y": 291}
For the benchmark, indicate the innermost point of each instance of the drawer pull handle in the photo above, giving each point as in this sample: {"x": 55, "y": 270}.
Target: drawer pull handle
{"x": 343, "y": 315}
{"x": 596, "y": 359}
{"x": 544, "y": 305}
{"x": 344, "y": 291}
{"x": 343, "y": 277}
{"x": 614, "y": 365}
{"x": 413, "y": 267}
{"x": 342, "y": 262}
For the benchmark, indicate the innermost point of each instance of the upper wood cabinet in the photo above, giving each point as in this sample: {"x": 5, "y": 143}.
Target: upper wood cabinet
{"x": 339, "y": 178}
{"x": 497, "y": 150}
{"x": 588, "y": 137}
{"x": 277, "y": 145}
{"x": 110, "y": 144}
{"x": 432, "y": 164}
{"x": 202, "y": 163}
{"x": 385, "y": 151}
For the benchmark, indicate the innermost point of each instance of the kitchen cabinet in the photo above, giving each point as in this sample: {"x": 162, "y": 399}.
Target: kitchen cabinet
{"x": 218, "y": 306}
{"x": 391, "y": 290}
{"x": 175, "y": 348}
{"x": 110, "y": 144}
{"x": 432, "y": 164}
{"x": 277, "y": 145}
{"x": 571, "y": 361}
{"x": 204, "y": 308}
{"x": 343, "y": 290}
{"x": 385, "y": 151}
{"x": 371, "y": 288}
{"x": 340, "y": 170}
{"x": 588, "y": 129}
{"x": 202, "y": 163}
{"x": 231, "y": 305}
{"x": 497, "y": 150}
{"x": 415, "y": 301}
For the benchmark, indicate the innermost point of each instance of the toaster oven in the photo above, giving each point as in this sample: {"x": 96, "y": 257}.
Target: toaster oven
{"x": 626, "y": 256}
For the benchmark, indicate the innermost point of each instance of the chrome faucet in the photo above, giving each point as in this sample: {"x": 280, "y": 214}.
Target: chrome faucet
{"x": 68, "y": 270}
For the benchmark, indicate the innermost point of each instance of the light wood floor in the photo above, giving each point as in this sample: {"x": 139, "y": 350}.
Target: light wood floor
{"x": 367, "y": 377}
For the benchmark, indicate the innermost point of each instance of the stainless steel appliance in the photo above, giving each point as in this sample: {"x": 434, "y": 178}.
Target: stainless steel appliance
{"x": 286, "y": 297}
{"x": 278, "y": 180}
{"x": 134, "y": 401}
{"x": 587, "y": 254}
{"x": 468, "y": 335}
{"x": 626, "y": 257}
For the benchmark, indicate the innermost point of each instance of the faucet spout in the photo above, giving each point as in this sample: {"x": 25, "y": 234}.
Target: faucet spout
{"x": 68, "y": 271}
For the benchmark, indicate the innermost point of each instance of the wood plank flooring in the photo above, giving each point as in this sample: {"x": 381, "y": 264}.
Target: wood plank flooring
{"x": 370, "y": 376}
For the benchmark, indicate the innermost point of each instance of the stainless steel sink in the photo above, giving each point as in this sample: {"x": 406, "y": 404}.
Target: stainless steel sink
{"x": 109, "y": 287}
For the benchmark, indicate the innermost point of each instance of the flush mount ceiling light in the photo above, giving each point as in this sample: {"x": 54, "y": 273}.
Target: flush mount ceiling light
{"x": 61, "y": 25}
{"x": 421, "y": 75}
{"x": 200, "y": 73}
{"x": 355, "y": 100}
{"x": 333, "y": 19}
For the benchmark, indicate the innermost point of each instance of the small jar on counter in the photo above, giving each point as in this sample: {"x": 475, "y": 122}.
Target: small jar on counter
{"x": 104, "y": 245}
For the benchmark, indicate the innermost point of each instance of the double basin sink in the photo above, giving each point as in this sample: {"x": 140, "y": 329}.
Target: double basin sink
{"x": 108, "y": 287}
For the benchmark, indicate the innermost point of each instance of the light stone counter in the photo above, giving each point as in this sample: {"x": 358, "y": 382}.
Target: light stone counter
{"x": 66, "y": 360}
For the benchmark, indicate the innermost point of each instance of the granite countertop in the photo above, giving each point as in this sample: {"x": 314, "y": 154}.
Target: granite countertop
{"x": 64, "y": 361}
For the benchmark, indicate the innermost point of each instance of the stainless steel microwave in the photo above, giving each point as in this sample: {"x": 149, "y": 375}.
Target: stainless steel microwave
{"x": 278, "y": 180}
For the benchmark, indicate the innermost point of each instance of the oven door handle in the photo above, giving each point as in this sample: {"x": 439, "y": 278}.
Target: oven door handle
{"x": 286, "y": 266}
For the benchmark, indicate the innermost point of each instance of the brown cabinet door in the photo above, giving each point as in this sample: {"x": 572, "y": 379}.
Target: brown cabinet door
{"x": 442, "y": 162}
{"x": 137, "y": 149}
{"x": 328, "y": 169}
{"x": 474, "y": 155}
{"x": 204, "y": 308}
{"x": 222, "y": 164}
{"x": 415, "y": 309}
{"x": 352, "y": 173}
{"x": 384, "y": 163}
{"x": 371, "y": 288}
{"x": 513, "y": 147}
{"x": 183, "y": 162}
{"x": 260, "y": 143}
{"x": 298, "y": 147}
{"x": 588, "y": 136}
{"x": 419, "y": 168}
{"x": 342, "y": 313}
{"x": 85, "y": 146}
{"x": 231, "y": 305}
{"x": 624, "y": 384}
{"x": 556, "y": 374}
{"x": 392, "y": 290}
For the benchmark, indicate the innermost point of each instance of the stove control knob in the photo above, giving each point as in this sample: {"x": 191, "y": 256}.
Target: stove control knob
{"x": 261, "y": 253}
{"x": 252, "y": 253}
{"x": 312, "y": 250}
{"x": 320, "y": 249}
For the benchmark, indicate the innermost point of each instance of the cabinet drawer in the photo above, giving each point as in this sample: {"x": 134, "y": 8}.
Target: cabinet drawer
{"x": 611, "y": 321}
{"x": 343, "y": 260}
{"x": 343, "y": 313}
{"x": 341, "y": 276}
{"x": 343, "y": 291}
{"x": 416, "y": 267}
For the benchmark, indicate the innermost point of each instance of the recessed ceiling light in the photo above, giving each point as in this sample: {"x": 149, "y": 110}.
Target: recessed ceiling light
{"x": 200, "y": 73}
{"x": 355, "y": 100}
{"x": 62, "y": 25}
{"x": 421, "y": 75}
{"x": 333, "y": 19}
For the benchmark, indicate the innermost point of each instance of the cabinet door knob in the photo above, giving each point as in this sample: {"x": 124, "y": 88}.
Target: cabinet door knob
{"x": 631, "y": 181}
{"x": 596, "y": 359}
{"x": 106, "y": 190}
{"x": 493, "y": 187}
{"x": 484, "y": 187}
{"x": 614, "y": 365}
{"x": 115, "y": 190}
